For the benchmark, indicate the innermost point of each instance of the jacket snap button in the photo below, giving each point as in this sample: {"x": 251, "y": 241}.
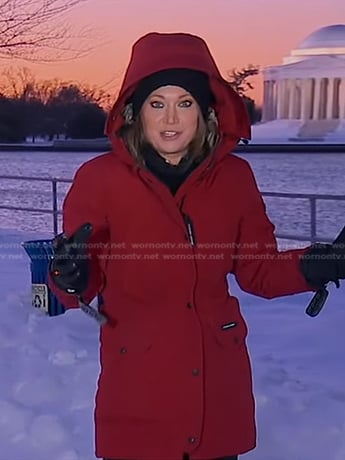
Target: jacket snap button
{"x": 191, "y": 439}
{"x": 189, "y": 305}
{"x": 195, "y": 372}
{"x": 123, "y": 350}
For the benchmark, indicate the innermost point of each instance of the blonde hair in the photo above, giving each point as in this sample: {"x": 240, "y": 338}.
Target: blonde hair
{"x": 205, "y": 139}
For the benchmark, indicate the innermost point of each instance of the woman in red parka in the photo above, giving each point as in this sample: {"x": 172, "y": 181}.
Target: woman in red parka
{"x": 166, "y": 215}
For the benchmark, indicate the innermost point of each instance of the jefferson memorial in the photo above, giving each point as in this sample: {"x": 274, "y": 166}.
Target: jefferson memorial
{"x": 304, "y": 97}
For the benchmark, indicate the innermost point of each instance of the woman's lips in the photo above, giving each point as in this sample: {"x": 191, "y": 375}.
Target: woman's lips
{"x": 169, "y": 135}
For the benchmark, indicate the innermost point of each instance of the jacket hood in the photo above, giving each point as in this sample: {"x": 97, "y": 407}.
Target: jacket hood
{"x": 159, "y": 51}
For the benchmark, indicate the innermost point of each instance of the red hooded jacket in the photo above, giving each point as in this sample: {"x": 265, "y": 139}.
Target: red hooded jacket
{"x": 175, "y": 373}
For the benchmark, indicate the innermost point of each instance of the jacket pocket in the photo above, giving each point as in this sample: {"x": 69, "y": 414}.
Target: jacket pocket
{"x": 228, "y": 326}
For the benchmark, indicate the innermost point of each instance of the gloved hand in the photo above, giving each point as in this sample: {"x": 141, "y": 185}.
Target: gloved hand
{"x": 69, "y": 269}
{"x": 325, "y": 262}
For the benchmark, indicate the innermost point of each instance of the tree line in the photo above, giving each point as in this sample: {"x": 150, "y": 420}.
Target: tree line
{"x": 32, "y": 109}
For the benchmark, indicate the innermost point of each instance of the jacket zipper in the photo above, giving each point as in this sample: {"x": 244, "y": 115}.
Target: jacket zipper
{"x": 192, "y": 241}
{"x": 190, "y": 229}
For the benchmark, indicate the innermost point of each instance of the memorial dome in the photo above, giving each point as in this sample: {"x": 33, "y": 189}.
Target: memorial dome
{"x": 326, "y": 37}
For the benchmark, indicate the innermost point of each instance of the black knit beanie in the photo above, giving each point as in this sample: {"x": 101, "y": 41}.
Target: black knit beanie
{"x": 193, "y": 81}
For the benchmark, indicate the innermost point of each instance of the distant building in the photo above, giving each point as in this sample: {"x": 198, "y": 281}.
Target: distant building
{"x": 309, "y": 86}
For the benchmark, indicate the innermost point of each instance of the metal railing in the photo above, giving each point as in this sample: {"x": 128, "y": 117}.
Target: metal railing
{"x": 55, "y": 211}
{"x": 313, "y": 199}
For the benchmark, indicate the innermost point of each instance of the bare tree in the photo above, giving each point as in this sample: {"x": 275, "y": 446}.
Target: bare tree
{"x": 37, "y": 30}
{"x": 12, "y": 82}
{"x": 238, "y": 79}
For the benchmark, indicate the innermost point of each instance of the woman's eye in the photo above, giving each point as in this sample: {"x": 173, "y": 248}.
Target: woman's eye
{"x": 186, "y": 103}
{"x": 160, "y": 104}
{"x": 156, "y": 104}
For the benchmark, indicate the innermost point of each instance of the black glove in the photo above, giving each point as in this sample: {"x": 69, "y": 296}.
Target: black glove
{"x": 69, "y": 268}
{"x": 325, "y": 262}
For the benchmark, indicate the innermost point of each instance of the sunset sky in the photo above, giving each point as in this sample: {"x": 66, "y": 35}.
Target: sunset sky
{"x": 238, "y": 32}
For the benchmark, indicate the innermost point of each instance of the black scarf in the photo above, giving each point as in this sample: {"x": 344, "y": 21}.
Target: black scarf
{"x": 171, "y": 175}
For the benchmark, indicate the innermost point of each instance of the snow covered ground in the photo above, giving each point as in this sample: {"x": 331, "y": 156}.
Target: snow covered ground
{"x": 277, "y": 131}
{"x": 49, "y": 368}
{"x": 283, "y": 131}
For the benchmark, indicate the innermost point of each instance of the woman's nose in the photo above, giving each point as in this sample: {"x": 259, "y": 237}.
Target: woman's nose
{"x": 171, "y": 115}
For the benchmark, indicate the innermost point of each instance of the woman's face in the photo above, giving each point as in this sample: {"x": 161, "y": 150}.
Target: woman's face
{"x": 170, "y": 120}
